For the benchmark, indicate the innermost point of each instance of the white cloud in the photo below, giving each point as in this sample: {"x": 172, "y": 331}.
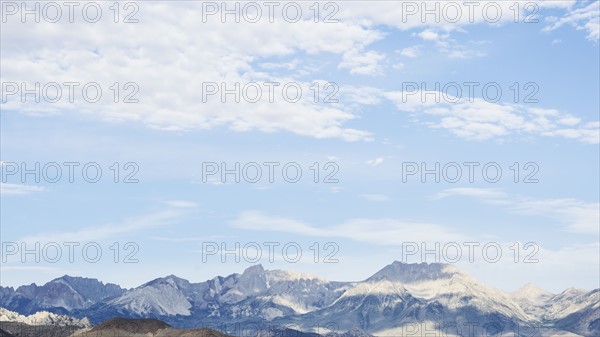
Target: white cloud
{"x": 583, "y": 18}
{"x": 479, "y": 119}
{"x": 198, "y": 239}
{"x": 182, "y": 204}
{"x": 170, "y": 66}
{"x": 375, "y": 197}
{"x": 18, "y": 189}
{"x": 579, "y": 217}
{"x": 377, "y": 231}
{"x": 460, "y": 52}
{"x": 375, "y": 162}
{"x": 100, "y": 232}
{"x": 336, "y": 189}
{"x": 398, "y": 66}
{"x": 397, "y": 234}
{"x": 358, "y": 96}
{"x": 362, "y": 62}
{"x": 581, "y": 260}
{"x": 569, "y": 120}
{"x": 576, "y": 215}
{"x": 282, "y": 65}
{"x": 411, "y": 52}
{"x": 429, "y": 35}
{"x": 451, "y": 47}
{"x": 406, "y": 14}
{"x": 255, "y": 220}
{"x": 35, "y": 269}
{"x": 484, "y": 193}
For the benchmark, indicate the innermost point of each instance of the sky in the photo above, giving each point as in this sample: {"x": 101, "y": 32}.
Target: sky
{"x": 145, "y": 139}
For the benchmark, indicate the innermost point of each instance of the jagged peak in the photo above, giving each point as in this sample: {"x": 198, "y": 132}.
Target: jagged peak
{"x": 42, "y": 318}
{"x": 290, "y": 275}
{"x": 415, "y": 272}
{"x": 170, "y": 279}
{"x": 531, "y": 293}
{"x": 530, "y": 289}
{"x": 573, "y": 292}
{"x": 256, "y": 269}
{"x": 69, "y": 277}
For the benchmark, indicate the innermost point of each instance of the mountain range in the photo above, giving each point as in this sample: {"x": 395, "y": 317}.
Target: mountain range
{"x": 399, "y": 300}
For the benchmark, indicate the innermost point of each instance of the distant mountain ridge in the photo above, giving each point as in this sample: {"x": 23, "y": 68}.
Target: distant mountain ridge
{"x": 66, "y": 292}
{"x": 416, "y": 272}
{"x": 394, "y": 298}
{"x": 43, "y": 318}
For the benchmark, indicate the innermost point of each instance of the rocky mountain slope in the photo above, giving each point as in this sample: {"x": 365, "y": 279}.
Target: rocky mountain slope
{"x": 399, "y": 299}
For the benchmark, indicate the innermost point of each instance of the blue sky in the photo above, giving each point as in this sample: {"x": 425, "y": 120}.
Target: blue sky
{"x": 378, "y": 127}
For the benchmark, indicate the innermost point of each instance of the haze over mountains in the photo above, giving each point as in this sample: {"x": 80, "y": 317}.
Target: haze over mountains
{"x": 400, "y": 299}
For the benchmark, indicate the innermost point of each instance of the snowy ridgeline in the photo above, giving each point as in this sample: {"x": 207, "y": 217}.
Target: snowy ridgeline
{"x": 43, "y": 318}
{"x": 395, "y": 297}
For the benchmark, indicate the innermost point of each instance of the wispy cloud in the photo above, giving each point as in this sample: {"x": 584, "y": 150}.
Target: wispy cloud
{"x": 169, "y": 216}
{"x": 449, "y": 46}
{"x": 487, "y": 194}
{"x": 28, "y": 268}
{"x": 363, "y": 62}
{"x": 19, "y": 189}
{"x": 375, "y": 162}
{"x": 580, "y": 217}
{"x": 583, "y": 18}
{"x": 410, "y": 52}
{"x": 478, "y": 119}
{"x": 385, "y": 231}
{"x": 169, "y": 99}
{"x": 375, "y": 197}
{"x": 190, "y": 238}
{"x": 182, "y": 204}
{"x": 577, "y": 216}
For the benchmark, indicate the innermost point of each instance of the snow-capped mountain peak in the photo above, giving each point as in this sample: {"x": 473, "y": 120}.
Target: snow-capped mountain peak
{"x": 161, "y": 296}
{"x": 417, "y": 272}
{"x": 287, "y": 275}
{"x": 397, "y": 294}
{"x": 75, "y": 293}
{"x": 531, "y": 293}
{"x": 43, "y": 318}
